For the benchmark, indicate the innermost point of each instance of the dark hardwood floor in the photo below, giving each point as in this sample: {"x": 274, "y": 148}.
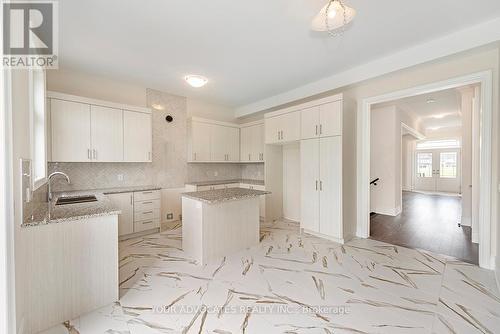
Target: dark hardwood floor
{"x": 427, "y": 222}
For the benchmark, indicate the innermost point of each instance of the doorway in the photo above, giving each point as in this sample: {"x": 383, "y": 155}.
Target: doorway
{"x": 483, "y": 187}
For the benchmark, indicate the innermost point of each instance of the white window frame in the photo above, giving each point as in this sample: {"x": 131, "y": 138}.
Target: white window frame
{"x": 40, "y": 181}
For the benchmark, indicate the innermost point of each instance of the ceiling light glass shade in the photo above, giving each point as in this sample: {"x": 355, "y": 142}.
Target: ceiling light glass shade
{"x": 336, "y": 17}
{"x": 196, "y": 81}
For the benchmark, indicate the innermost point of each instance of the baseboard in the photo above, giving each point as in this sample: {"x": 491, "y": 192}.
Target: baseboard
{"x": 466, "y": 221}
{"x": 475, "y": 237}
{"x": 139, "y": 234}
{"x": 389, "y": 211}
{"x": 497, "y": 270}
{"x": 324, "y": 236}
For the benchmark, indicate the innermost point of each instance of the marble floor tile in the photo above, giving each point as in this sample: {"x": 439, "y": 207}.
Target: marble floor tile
{"x": 294, "y": 283}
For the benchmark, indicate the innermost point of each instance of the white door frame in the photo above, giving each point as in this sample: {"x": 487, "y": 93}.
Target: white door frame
{"x": 7, "y": 276}
{"x": 485, "y": 79}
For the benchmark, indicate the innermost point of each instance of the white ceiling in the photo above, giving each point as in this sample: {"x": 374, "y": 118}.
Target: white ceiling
{"x": 443, "y": 114}
{"x": 249, "y": 50}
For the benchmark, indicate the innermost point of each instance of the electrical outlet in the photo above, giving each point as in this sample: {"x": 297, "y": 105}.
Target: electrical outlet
{"x": 120, "y": 177}
{"x": 170, "y": 216}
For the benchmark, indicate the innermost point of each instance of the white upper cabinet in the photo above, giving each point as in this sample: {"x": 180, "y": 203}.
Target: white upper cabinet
{"x": 321, "y": 121}
{"x": 209, "y": 141}
{"x": 283, "y": 128}
{"x": 137, "y": 137}
{"x": 309, "y": 123}
{"x": 330, "y": 119}
{"x": 87, "y": 130}
{"x": 199, "y": 134}
{"x": 106, "y": 134}
{"x": 252, "y": 143}
{"x": 70, "y": 131}
{"x": 225, "y": 143}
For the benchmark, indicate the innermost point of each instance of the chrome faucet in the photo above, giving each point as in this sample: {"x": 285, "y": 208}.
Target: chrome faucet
{"x": 49, "y": 178}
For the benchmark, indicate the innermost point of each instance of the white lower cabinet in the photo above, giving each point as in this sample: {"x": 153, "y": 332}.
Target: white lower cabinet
{"x": 146, "y": 210}
{"x": 321, "y": 187}
{"x": 140, "y": 211}
{"x": 125, "y": 203}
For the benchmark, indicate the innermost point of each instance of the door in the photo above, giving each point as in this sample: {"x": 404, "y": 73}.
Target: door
{"x": 272, "y": 130}
{"x": 258, "y": 142}
{"x": 290, "y": 128}
{"x": 218, "y": 143}
{"x": 309, "y": 187}
{"x": 200, "y": 141}
{"x": 309, "y": 120}
{"x": 447, "y": 174}
{"x": 246, "y": 144}
{"x": 70, "y": 131}
{"x": 330, "y": 172}
{"x": 125, "y": 203}
{"x": 106, "y": 134}
{"x": 330, "y": 119}
{"x": 137, "y": 136}
{"x": 232, "y": 141}
{"x": 438, "y": 170}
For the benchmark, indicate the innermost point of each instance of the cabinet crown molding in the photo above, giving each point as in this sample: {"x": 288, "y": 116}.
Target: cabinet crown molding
{"x": 96, "y": 102}
{"x": 305, "y": 105}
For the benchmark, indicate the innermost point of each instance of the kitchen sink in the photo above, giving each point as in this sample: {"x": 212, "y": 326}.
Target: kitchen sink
{"x": 75, "y": 199}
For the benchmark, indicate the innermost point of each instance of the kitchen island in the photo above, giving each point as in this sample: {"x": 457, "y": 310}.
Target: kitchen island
{"x": 219, "y": 222}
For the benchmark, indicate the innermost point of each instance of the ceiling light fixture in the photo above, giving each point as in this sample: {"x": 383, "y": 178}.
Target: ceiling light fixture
{"x": 196, "y": 81}
{"x": 333, "y": 17}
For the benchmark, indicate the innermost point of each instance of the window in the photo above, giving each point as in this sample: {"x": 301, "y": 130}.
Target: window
{"x": 38, "y": 127}
{"x": 448, "y": 165}
{"x": 424, "y": 164}
{"x": 432, "y": 144}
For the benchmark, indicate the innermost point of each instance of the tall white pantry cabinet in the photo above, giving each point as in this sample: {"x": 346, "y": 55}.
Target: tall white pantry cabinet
{"x": 317, "y": 126}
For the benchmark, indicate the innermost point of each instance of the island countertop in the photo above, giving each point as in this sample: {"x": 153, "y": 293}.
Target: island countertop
{"x": 224, "y": 195}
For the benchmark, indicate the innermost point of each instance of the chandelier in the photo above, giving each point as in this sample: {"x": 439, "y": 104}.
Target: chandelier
{"x": 333, "y": 17}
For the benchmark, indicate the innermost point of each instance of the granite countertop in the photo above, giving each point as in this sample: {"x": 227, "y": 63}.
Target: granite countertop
{"x": 223, "y": 195}
{"x": 214, "y": 183}
{"x": 48, "y": 213}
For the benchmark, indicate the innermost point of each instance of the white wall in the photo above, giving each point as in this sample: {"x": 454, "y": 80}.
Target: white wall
{"x": 386, "y": 160}
{"x": 291, "y": 181}
{"x": 407, "y": 162}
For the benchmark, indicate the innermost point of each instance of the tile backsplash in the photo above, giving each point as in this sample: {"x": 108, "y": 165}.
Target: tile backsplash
{"x": 97, "y": 175}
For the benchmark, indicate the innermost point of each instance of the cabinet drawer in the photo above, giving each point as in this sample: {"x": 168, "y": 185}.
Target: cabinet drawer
{"x": 146, "y": 225}
{"x": 146, "y": 195}
{"x": 146, "y": 215}
{"x": 146, "y": 205}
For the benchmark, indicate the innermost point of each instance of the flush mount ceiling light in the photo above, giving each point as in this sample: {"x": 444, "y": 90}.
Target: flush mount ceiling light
{"x": 196, "y": 81}
{"x": 333, "y": 17}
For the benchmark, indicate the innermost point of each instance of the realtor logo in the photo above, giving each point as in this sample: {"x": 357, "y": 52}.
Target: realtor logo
{"x": 30, "y": 34}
